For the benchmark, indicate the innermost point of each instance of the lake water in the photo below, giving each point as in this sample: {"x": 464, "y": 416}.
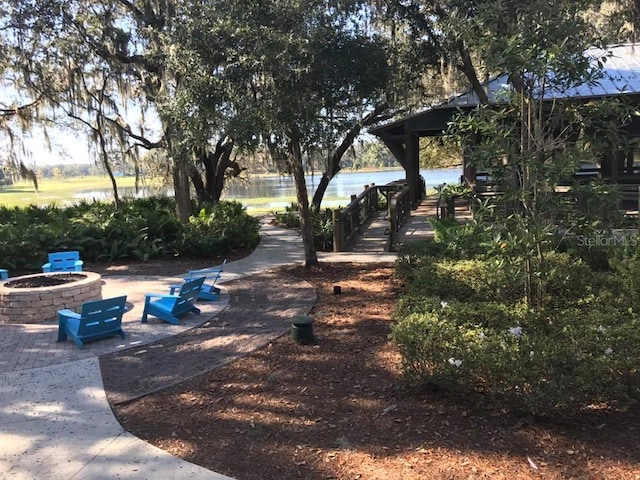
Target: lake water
{"x": 279, "y": 191}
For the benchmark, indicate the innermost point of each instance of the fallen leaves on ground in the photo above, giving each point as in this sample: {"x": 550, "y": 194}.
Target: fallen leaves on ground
{"x": 337, "y": 410}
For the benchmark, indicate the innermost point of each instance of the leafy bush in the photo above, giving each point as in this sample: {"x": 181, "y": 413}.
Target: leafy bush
{"x": 140, "y": 229}
{"x": 457, "y": 330}
{"x": 322, "y": 224}
{"x": 323, "y": 229}
{"x": 563, "y": 360}
{"x": 461, "y": 240}
{"x": 290, "y": 217}
{"x": 219, "y": 229}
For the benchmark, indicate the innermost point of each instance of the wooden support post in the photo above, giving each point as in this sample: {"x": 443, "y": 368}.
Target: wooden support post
{"x": 375, "y": 196}
{"x": 393, "y": 223}
{"x": 338, "y": 230}
{"x": 413, "y": 166}
{"x": 367, "y": 202}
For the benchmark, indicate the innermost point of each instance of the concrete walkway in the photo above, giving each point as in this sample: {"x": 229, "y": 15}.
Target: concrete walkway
{"x": 55, "y": 421}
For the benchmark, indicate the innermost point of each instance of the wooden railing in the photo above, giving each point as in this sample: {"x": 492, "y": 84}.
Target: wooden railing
{"x": 398, "y": 211}
{"x": 348, "y": 221}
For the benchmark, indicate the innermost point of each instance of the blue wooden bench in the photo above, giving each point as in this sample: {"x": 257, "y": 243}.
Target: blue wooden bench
{"x": 63, "y": 262}
{"x": 180, "y": 301}
{"x": 209, "y": 290}
{"x": 98, "y": 319}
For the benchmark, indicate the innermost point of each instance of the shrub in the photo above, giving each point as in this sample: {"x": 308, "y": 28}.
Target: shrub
{"x": 219, "y": 229}
{"x": 290, "y": 217}
{"x": 456, "y": 330}
{"x": 461, "y": 240}
{"x": 323, "y": 229}
{"x": 141, "y": 229}
{"x": 554, "y": 360}
{"x": 322, "y": 224}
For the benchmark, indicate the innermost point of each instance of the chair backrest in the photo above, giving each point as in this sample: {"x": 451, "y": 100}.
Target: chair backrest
{"x": 64, "y": 261}
{"x": 101, "y": 315}
{"x": 222, "y": 267}
{"x": 188, "y": 294}
{"x": 219, "y": 274}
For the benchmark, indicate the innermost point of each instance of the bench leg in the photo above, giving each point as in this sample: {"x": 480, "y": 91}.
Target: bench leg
{"x": 62, "y": 336}
{"x": 144, "y": 312}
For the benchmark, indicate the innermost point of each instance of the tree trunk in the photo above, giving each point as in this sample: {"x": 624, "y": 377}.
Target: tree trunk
{"x": 215, "y": 185}
{"x": 104, "y": 155}
{"x": 198, "y": 184}
{"x": 215, "y": 165}
{"x": 306, "y": 227}
{"x": 333, "y": 165}
{"x": 322, "y": 187}
{"x": 470, "y": 72}
{"x": 182, "y": 194}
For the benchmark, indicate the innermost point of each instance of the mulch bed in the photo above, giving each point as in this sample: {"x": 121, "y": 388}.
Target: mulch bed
{"x": 45, "y": 280}
{"x": 338, "y": 410}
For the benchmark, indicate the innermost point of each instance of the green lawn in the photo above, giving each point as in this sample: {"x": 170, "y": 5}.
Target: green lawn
{"x": 55, "y": 191}
{"x": 64, "y": 191}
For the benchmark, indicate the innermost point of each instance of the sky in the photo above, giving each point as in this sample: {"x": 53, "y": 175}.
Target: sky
{"x": 65, "y": 149}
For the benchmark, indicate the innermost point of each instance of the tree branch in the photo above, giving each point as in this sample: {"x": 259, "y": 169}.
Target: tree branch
{"x": 10, "y": 112}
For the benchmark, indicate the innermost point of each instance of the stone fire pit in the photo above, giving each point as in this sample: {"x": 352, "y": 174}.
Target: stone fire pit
{"x": 24, "y": 300}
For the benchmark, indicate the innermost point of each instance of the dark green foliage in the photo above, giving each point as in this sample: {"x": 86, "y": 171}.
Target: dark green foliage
{"x": 141, "y": 229}
{"x": 461, "y": 325}
{"x": 289, "y": 218}
{"x": 218, "y": 229}
{"x": 322, "y": 223}
{"x": 461, "y": 240}
{"x": 323, "y": 229}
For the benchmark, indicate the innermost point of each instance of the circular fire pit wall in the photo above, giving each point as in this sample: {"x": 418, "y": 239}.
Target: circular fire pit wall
{"x": 40, "y": 304}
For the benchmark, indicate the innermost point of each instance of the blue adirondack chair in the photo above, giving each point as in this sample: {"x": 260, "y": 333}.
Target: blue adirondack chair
{"x": 4, "y": 274}
{"x": 209, "y": 290}
{"x": 63, "y": 262}
{"x": 98, "y": 319}
{"x": 180, "y": 301}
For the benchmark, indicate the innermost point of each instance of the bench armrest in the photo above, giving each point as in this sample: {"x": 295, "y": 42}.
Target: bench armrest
{"x": 160, "y": 295}
{"x": 68, "y": 313}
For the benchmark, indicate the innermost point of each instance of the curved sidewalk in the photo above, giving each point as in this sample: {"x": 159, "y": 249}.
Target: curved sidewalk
{"x": 56, "y": 421}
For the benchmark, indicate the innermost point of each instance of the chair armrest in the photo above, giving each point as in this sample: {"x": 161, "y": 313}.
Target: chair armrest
{"x": 78, "y": 264}
{"x": 160, "y": 295}
{"x": 46, "y": 268}
{"x": 68, "y": 313}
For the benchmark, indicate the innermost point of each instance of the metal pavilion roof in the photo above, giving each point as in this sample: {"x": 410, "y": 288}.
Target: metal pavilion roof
{"x": 619, "y": 75}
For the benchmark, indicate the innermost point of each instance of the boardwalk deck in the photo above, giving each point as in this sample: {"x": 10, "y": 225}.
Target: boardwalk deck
{"x": 416, "y": 228}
